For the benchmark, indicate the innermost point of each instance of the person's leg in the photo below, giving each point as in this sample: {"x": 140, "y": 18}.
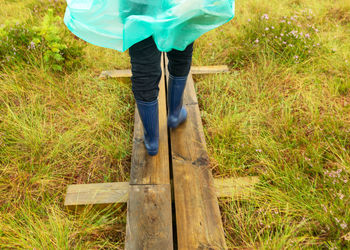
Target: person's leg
{"x": 146, "y": 70}
{"x": 180, "y": 61}
{"x": 146, "y": 74}
{"x": 179, "y": 67}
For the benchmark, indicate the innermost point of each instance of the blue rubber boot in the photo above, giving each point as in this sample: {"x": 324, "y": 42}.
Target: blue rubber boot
{"x": 149, "y": 116}
{"x": 176, "y": 112}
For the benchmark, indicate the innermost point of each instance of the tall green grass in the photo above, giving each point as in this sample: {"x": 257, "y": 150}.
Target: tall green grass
{"x": 282, "y": 113}
{"x": 58, "y": 126}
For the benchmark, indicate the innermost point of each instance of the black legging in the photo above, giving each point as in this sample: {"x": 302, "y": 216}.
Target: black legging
{"x": 146, "y": 70}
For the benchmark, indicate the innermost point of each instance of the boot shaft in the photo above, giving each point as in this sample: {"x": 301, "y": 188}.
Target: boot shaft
{"x": 149, "y": 115}
{"x": 176, "y": 112}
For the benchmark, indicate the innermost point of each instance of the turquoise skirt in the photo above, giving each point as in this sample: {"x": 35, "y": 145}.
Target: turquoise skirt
{"x": 119, "y": 24}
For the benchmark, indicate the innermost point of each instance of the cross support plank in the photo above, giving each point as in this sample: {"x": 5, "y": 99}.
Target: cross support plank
{"x": 203, "y": 70}
{"x": 194, "y": 70}
{"x": 235, "y": 188}
{"x": 118, "y": 192}
{"x": 99, "y": 193}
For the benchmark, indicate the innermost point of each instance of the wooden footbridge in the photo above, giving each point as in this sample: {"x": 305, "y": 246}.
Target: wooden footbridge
{"x": 172, "y": 198}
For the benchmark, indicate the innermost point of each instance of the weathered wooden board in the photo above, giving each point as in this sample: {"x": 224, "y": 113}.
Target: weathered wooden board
{"x": 151, "y": 226}
{"x": 114, "y": 73}
{"x": 198, "y": 219}
{"x": 118, "y": 192}
{"x": 149, "y": 216}
{"x": 235, "y": 188}
{"x": 194, "y": 70}
{"x": 147, "y": 169}
{"x": 99, "y": 193}
{"x": 209, "y": 69}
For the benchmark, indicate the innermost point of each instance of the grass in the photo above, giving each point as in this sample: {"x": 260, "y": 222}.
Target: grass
{"x": 282, "y": 113}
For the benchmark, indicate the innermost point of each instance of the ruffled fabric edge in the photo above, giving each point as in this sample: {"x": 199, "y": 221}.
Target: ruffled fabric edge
{"x": 117, "y": 43}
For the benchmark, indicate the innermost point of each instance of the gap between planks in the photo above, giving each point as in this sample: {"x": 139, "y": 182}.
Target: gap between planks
{"x": 118, "y": 192}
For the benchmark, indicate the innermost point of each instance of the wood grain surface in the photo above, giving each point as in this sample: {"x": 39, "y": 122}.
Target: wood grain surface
{"x": 198, "y": 218}
{"x": 149, "y": 220}
{"x": 149, "y": 212}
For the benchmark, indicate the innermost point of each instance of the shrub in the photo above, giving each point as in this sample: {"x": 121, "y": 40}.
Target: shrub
{"x": 45, "y": 45}
{"x": 13, "y": 44}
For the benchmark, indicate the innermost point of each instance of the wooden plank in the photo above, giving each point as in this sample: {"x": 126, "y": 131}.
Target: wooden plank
{"x": 151, "y": 228}
{"x": 147, "y": 169}
{"x": 100, "y": 193}
{"x": 209, "y": 69}
{"x": 198, "y": 219}
{"x": 115, "y": 73}
{"x": 149, "y": 216}
{"x": 118, "y": 192}
{"x": 235, "y": 188}
{"x": 194, "y": 70}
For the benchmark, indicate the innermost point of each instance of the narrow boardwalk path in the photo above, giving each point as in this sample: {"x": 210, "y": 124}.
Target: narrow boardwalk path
{"x": 172, "y": 198}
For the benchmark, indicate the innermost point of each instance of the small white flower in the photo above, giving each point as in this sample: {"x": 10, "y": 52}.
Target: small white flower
{"x": 265, "y": 16}
{"x": 343, "y": 225}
